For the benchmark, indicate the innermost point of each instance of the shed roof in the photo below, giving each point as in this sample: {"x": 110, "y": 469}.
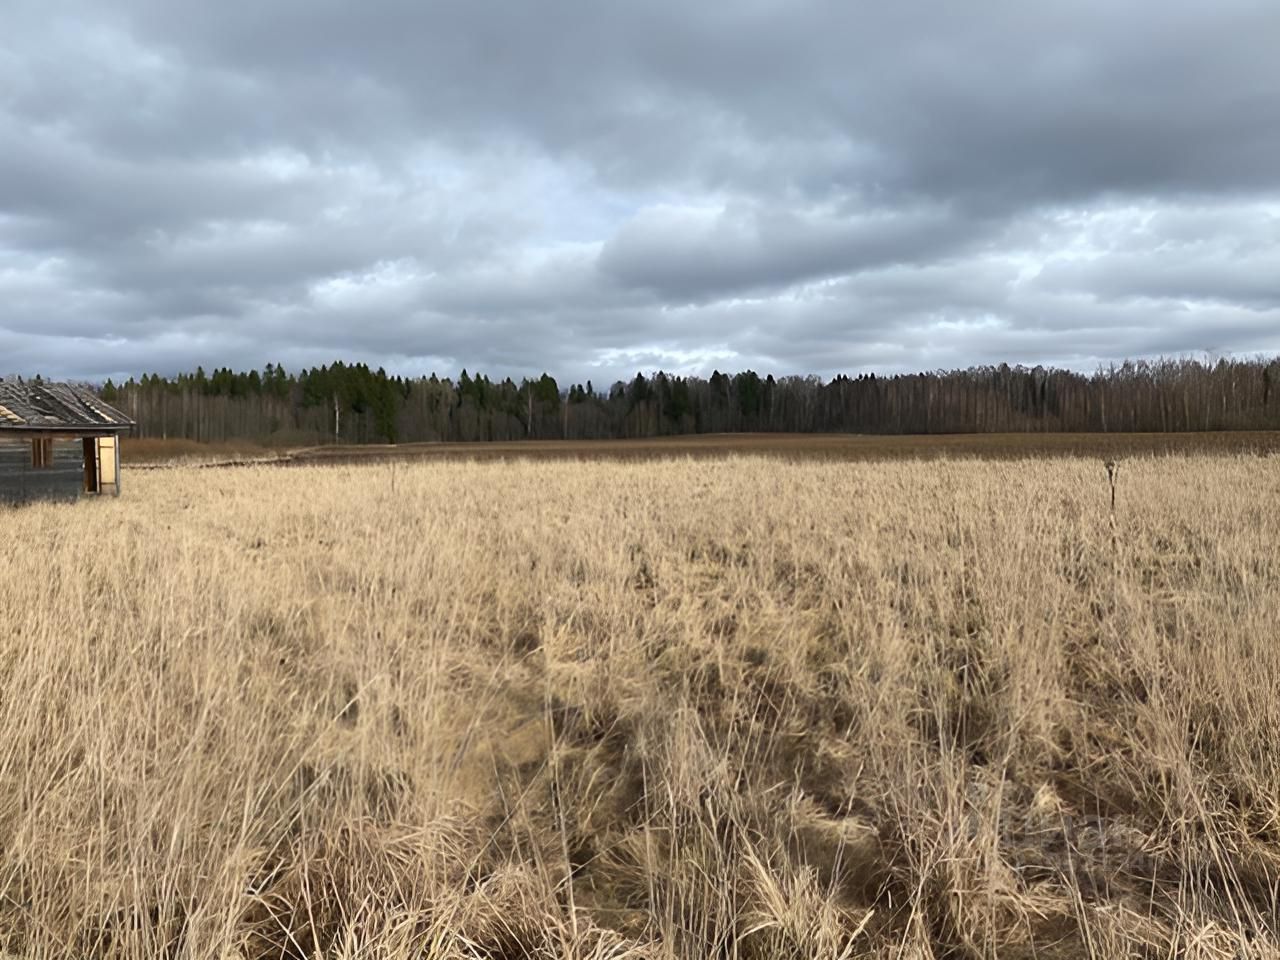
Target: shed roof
{"x": 36, "y": 405}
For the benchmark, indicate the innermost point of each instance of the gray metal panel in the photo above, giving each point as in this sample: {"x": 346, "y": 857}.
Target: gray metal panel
{"x": 22, "y": 483}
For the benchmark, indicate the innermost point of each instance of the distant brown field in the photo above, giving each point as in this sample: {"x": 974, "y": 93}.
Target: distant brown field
{"x": 790, "y": 446}
{"x": 730, "y": 707}
{"x": 149, "y": 450}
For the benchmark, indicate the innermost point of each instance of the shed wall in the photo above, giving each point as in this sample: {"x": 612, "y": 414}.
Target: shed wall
{"x": 21, "y": 483}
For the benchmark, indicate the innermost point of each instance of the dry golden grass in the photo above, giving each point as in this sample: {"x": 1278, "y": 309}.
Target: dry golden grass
{"x": 169, "y": 452}
{"x": 789, "y": 446}
{"x": 728, "y": 707}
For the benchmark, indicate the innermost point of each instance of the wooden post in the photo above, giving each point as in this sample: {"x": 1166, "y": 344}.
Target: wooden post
{"x": 42, "y": 452}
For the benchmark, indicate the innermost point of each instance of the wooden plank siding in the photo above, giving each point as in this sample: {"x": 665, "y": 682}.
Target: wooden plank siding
{"x": 20, "y": 482}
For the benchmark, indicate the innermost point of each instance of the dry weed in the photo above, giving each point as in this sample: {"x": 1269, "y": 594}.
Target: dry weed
{"x": 731, "y": 707}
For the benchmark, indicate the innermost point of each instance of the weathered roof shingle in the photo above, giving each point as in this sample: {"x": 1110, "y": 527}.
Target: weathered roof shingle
{"x": 38, "y": 405}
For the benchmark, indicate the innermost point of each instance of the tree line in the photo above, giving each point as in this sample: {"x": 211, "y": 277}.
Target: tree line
{"x": 350, "y": 403}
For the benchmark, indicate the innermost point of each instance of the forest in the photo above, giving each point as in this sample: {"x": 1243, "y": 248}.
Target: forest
{"x": 351, "y": 403}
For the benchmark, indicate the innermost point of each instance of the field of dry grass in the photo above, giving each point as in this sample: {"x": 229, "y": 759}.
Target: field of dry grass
{"x": 788, "y": 446}
{"x": 166, "y": 452}
{"x": 726, "y": 707}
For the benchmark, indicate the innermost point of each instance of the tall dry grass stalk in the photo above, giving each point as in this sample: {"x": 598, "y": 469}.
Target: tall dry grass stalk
{"x": 731, "y": 708}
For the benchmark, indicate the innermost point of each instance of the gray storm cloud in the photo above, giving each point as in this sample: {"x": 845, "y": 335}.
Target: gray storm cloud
{"x": 588, "y": 188}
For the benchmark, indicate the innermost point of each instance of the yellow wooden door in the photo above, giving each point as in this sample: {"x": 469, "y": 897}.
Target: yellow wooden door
{"x": 108, "y": 464}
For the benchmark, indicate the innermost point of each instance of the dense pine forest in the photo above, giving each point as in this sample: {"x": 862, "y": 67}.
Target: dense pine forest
{"x": 350, "y": 403}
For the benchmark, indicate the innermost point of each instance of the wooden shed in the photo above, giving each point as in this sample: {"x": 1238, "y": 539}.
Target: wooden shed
{"x": 57, "y": 442}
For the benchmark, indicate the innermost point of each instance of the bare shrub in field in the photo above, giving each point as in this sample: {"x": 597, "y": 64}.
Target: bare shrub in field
{"x": 730, "y": 707}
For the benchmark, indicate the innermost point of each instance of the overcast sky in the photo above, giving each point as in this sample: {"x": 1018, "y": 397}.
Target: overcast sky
{"x": 591, "y": 187}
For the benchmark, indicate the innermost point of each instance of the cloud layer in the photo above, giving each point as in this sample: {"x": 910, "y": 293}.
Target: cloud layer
{"x": 593, "y": 188}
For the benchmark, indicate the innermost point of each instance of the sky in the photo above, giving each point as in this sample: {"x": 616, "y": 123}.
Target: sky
{"x": 591, "y": 187}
